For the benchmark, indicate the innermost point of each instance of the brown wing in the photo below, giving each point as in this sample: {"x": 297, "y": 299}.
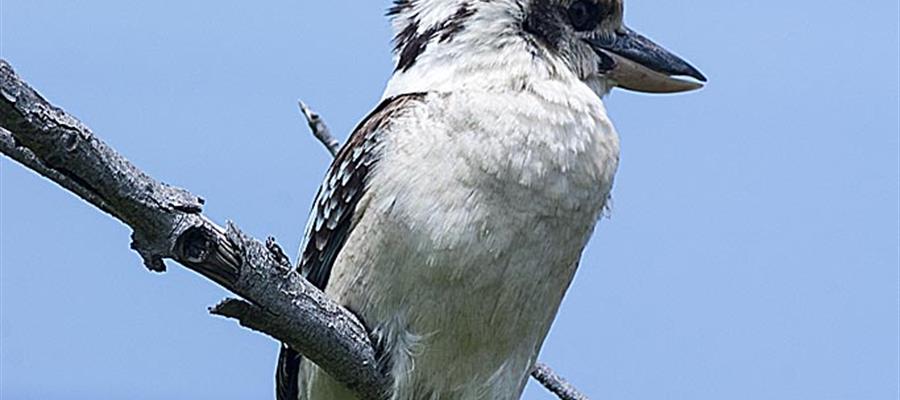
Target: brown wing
{"x": 345, "y": 183}
{"x": 332, "y": 214}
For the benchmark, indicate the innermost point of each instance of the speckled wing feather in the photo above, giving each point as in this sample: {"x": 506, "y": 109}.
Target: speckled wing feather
{"x": 333, "y": 213}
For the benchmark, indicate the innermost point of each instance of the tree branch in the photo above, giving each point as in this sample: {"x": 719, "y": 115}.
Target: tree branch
{"x": 168, "y": 223}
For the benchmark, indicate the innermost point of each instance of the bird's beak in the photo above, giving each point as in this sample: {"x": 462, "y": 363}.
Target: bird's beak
{"x": 636, "y": 63}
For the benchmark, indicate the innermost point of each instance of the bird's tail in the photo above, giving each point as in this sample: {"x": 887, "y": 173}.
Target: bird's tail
{"x": 287, "y": 376}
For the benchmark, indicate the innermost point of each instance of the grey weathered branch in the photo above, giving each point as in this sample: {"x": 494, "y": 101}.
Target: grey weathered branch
{"x": 168, "y": 223}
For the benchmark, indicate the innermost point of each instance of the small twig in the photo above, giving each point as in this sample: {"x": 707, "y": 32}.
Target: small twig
{"x": 555, "y": 383}
{"x": 541, "y": 372}
{"x": 319, "y": 129}
{"x": 277, "y": 252}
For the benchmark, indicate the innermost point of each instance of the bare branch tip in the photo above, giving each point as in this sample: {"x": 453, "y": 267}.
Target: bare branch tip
{"x": 304, "y": 108}
{"x": 555, "y": 383}
{"x": 319, "y": 129}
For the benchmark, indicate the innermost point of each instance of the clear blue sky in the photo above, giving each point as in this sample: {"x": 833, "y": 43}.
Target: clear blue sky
{"x": 752, "y": 251}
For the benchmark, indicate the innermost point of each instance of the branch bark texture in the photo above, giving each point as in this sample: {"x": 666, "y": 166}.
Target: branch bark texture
{"x": 168, "y": 223}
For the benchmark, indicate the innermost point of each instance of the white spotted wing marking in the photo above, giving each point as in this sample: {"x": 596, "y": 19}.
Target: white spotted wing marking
{"x": 332, "y": 216}
{"x": 331, "y": 219}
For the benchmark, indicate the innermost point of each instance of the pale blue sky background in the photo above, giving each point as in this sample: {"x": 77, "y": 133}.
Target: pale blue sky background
{"x": 752, "y": 251}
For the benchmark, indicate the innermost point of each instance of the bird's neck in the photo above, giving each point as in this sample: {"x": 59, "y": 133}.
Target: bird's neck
{"x": 446, "y": 46}
{"x": 439, "y": 71}
{"x": 510, "y": 69}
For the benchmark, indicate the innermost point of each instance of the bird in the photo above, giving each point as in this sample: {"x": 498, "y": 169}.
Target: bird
{"x": 454, "y": 218}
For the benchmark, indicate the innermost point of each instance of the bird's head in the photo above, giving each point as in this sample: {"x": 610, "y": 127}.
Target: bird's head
{"x": 442, "y": 39}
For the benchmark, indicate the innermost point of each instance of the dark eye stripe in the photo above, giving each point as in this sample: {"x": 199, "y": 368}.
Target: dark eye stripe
{"x": 585, "y": 15}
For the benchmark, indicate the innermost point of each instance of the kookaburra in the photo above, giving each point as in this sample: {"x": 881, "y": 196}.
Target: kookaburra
{"x": 453, "y": 219}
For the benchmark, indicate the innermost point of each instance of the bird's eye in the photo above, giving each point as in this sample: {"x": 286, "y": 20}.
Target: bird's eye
{"x": 584, "y": 15}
